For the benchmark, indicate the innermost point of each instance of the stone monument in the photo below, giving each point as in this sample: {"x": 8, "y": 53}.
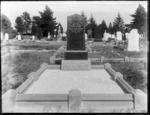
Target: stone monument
{"x": 133, "y": 40}
{"x": 89, "y": 33}
{"x": 59, "y": 37}
{"x": 19, "y": 37}
{"x": 86, "y": 37}
{"x": 75, "y": 57}
{"x": 33, "y": 37}
{"x": 6, "y": 36}
{"x": 119, "y": 36}
{"x": 105, "y": 36}
{"x": 2, "y": 36}
{"x": 49, "y": 36}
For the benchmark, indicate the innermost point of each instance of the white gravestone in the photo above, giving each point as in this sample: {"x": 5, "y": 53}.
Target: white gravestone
{"x": 119, "y": 36}
{"x": 105, "y": 36}
{"x": 113, "y": 36}
{"x": 6, "y": 37}
{"x": 49, "y": 36}
{"x": 2, "y": 37}
{"x": 127, "y": 35}
{"x": 33, "y": 37}
{"x": 133, "y": 40}
{"x": 86, "y": 37}
{"x": 19, "y": 37}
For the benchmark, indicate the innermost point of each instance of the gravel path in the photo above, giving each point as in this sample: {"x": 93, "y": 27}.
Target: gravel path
{"x": 57, "y": 81}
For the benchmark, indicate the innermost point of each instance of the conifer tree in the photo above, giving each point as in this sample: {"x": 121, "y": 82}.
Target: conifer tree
{"x": 139, "y": 20}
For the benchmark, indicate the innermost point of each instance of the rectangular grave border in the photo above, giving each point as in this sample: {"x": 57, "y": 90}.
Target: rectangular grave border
{"x": 126, "y": 99}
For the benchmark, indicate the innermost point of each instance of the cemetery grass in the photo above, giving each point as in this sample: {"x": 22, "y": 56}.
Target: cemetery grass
{"x": 16, "y": 67}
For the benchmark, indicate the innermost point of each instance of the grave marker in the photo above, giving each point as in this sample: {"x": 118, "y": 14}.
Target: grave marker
{"x": 133, "y": 40}
{"x": 76, "y": 38}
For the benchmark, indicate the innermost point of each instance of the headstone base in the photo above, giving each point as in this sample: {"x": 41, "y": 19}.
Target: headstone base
{"x": 76, "y": 55}
{"x": 77, "y": 65}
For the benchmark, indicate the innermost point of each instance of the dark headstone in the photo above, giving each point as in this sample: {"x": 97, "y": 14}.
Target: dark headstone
{"x": 97, "y": 34}
{"x": 89, "y": 33}
{"x": 76, "y": 30}
{"x": 76, "y": 38}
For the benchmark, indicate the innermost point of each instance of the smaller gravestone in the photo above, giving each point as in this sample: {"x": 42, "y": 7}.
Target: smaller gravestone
{"x": 127, "y": 35}
{"x": 113, "y": 36}
{"x": 105, "y": 36}
{"x": 89, "y": 34}
{"x": 33, "y": 37}
{"x": 86, "y": 37}
{"x": 119, "y": 36}
{"x": 2, "y": 36}
{"x": 19, "y": 37}
{"x": 49, "y": 36}
{"x": 6, "y": 36}
{"x": 133, "y": 40}
{"x": 59, "y": 35}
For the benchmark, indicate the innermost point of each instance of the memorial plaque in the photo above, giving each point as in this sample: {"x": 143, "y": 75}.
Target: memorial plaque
{"x": 76, "y": 32}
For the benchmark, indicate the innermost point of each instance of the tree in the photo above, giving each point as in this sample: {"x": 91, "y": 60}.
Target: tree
{"x": 118, "y": 24}
{"x": 48, "y": 23}
{"x": 20, "y": 24}
{"x": 92, "y": 25}
{"x": 5, "y": 23}
{"x": 27, "y": 21}
{"x": 85, "y": 18}
{"x": 103, "y": 27}
{"x": 139, "y": 20}
{"x": 37, "y": 20}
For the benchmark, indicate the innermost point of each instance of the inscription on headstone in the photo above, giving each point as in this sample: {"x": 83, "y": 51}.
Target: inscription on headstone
{"x": 75, "y": 35}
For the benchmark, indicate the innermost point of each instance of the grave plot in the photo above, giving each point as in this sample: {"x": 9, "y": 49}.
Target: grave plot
{"x": 76, "y": 85}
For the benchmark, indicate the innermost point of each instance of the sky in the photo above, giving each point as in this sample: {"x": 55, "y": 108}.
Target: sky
{"x": 100, "y": 10}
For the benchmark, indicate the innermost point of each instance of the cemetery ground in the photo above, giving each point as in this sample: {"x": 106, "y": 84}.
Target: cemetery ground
{"x": 19, "y": 58}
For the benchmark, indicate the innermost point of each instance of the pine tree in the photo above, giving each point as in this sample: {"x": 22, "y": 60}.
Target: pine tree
{"x": 119, "y": 24}
{"x": 85, "y": 18}
{"x": 27, "y": 21}
{"x": 139, "y": 20}
{"x": 92, "y": 25}
{"x": 20, "y": 24}
{"x": 48, "y": 23}
{"x": 103, "y": 27}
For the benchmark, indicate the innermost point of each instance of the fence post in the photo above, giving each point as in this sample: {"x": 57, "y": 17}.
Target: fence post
{"x": 74, "y": 100}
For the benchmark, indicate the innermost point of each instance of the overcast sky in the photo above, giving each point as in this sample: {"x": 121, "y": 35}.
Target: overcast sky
{"x": 106, "y": 10}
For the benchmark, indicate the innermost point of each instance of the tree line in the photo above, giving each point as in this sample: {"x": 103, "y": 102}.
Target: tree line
{"x": 41, "y": 25}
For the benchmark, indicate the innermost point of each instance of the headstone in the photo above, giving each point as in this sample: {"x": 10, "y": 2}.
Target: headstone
{"x": 75, "y": 36}
{"x": 119, "y": 36}
{"x": 49, "y": 36}
{"x": 59, "y": 37}
{"x": 127, "y": 35}
{"x": 86, "y": 37}
{"x": 33, "y": 37}
{"x": 19, "y": 37}
{"x": 76, "y": 56}
{"x": 6, "y": 36}
{"x": 97, "y": 34}
{"x": 105, "y": 36}
{"x": 133, "y": 40}
{"x": 113, "y": 36}
{"x": 2, "y": 36}
{"x": 89, "y": 34}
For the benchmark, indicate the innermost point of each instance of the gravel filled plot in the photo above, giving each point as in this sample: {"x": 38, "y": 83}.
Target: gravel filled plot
{"x": 89, "y": 82}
